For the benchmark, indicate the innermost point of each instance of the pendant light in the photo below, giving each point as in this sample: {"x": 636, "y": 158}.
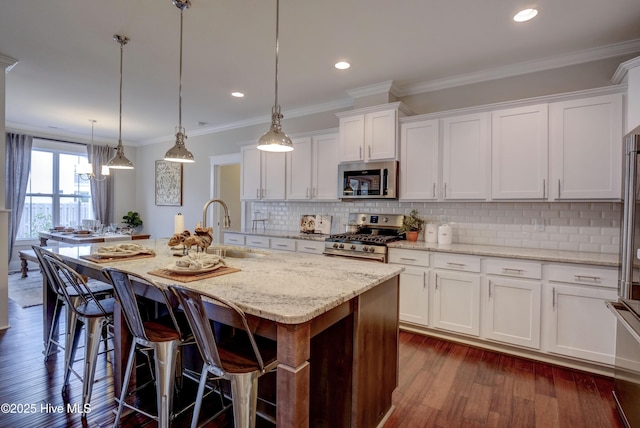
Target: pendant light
{"x": 85, "y": 170}
{"x": 275, "y": 140}
{"x": 179, "y": 153}
{"x": 120, "y": 161}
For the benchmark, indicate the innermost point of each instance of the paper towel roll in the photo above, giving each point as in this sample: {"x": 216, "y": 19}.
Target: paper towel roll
{"x": 178, "y": 224}
{"x": 445, "y": 237}
{"x": 431, "y": 233}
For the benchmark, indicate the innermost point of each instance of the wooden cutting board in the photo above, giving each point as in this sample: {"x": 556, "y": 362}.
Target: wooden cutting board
{"x": 95, "y": 259}
{"x": 165, "y": 273}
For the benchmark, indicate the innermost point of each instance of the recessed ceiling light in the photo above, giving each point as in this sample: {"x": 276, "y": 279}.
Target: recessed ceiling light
{"x": 525, "y": 15}
{"x": 237, "y": 94}
{"x": 342, "y": 65}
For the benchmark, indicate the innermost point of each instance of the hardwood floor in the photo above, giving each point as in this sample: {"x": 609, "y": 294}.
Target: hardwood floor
{"x": 441, "y": 384}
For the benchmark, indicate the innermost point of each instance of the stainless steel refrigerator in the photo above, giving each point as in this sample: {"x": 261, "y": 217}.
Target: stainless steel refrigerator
{"x": 627, "y": 309}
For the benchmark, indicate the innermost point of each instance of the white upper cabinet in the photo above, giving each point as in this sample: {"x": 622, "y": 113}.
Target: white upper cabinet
{"x": 586, "y": 148}
{"x": 519, "y": 152}
{"x": 465, "y": 156}
{"x": 370, "y": 134}
{"x": 419, "y": 160}
{"x": 263, "y": 174}
{"x": 312, "y": 168}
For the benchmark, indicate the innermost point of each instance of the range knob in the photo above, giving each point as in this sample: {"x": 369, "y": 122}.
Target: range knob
{"x": 353, "y": 247}
{"x": 341, "y": 246}
{"x": 371, "y": 249}
{"x": 385, "y": 219}
{"x": 335, "y": 245}
{"x": 365, "y": 248}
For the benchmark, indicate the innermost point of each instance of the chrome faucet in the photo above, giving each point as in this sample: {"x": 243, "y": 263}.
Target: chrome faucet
{"x": 227, "y": 220}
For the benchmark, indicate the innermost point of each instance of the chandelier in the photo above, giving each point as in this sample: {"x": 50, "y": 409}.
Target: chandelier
{"x": 85, "y": 170}
{"x": 120, "y": 161}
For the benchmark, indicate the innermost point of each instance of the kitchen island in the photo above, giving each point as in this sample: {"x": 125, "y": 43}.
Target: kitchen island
{"x": 335, "y": 322}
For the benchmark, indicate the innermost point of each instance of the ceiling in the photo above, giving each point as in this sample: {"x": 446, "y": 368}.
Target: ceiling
{"x": 68, "y": 69}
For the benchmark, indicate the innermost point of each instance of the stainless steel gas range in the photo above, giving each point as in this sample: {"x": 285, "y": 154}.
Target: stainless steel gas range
{"x": 367, "y": 237}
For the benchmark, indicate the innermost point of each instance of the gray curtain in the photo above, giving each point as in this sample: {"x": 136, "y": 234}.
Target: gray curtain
{"x": 18, "y": 164}
{"x": 101, "y": 191}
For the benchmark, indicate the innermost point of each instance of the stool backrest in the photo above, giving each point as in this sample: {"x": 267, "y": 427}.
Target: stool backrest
{"x": 194, "y": 308}
{"x": 46, "y": 269}
{"x": 66, "y": 280}
{"x": 122, "y": 282}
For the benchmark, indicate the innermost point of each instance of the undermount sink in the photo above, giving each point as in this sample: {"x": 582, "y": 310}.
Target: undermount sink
{"x": 234, "y": 253}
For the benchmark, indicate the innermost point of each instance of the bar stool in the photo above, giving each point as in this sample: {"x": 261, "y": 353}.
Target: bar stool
{"x": 99, "y": 288}
{"x": 237, "y": 359}
{"x": 91, "y": 312}
{"x": 158, "y": 337}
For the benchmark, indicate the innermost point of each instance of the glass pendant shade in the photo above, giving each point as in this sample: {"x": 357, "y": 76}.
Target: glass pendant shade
{"x": 120, "y": 161}
{"x": 275, "y": 140}
{"x": 179, "y": 153}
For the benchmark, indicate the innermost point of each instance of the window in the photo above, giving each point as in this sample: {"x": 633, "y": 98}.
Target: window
{"x": 55, "y": 194}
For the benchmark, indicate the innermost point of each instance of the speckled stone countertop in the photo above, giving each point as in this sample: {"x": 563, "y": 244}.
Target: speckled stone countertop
{"x": 282, "y": 286}
{"x": 598, "y": 259}
{"x": 289, "y": 234}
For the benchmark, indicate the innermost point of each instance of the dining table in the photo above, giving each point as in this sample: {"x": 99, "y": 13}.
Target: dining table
{"x": 86, "y": 238}
{"x": 335, "y": 321}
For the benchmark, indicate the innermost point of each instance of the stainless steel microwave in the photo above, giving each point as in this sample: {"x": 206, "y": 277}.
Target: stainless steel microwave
{"x": 371, "y": 180}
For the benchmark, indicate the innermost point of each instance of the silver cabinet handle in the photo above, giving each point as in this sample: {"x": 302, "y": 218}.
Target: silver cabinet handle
{"x": 369, "y": 150}
{"x": 490, "y": 284}
{"x": 507, "y": 270}
{"x": 314, "y": 192}
{"x": 437, "y": 280}
{"x": 407, "y": 259}
{"x": 308, "y": 248}
{"x": 544, "y": 188}
{"x": 456, "y": 264}
{"x": 558, "y": 187}
{"x": 281, "y": 245}
{"x": 589, "y": 277}
{"x": 307, "y": 192}
{"x": 445, "y": 190}
{"x": 360, "y": 152}
{"x": 257, "y": 193}
{"x": 424, "y": 280}
{"x": 553, "y": 299}
{"x": 434, "y": 190}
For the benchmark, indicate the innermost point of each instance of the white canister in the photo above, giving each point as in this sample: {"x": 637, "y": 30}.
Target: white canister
{"x": 431, "y": 233}
{"x": 445, "y": 235}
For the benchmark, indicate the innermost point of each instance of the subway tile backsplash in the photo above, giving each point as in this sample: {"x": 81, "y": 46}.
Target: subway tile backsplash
{"x": 579, "y": 226}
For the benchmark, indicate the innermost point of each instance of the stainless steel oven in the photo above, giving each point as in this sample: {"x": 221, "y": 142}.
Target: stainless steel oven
{"x": 367, "y": 238}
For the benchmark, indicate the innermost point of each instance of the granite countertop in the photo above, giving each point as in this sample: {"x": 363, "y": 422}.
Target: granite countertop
{"x": 282, "y": 286}
{"x": 289, "y": 234}
{"x": 538, "y": 254}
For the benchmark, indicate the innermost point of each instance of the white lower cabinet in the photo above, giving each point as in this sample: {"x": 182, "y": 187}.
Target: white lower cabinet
{"x": 456, "y": 302}
{"x": 414, "y": 296}
{"x": 578, "y": 322}
{"x": 308, "y": 246}
{"x": 233, "y": 238}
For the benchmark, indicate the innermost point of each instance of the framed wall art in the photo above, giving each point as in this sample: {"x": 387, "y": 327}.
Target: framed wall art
{"x": 168, "y": 183}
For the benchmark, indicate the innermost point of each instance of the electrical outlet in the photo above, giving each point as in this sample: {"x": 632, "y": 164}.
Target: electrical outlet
{"x": 538, "y": 224}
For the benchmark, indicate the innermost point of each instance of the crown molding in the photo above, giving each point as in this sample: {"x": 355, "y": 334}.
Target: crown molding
{"x": 558, "y": 61}
{"x": 299, "y": 112}
{"x": 58, "y": 133}
{"x": 7, "y": 62}
{"x": 621, "y": 73}
{"x": 377, "y": 88}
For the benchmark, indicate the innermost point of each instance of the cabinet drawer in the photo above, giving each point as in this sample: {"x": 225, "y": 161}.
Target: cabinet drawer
{"x": 307, "y": 246}
{"x": 283, "y": 244}
{"x": 408, "y": 257}
{"x": 456, "y": 262}
{"x": 514, "y": 268}
{"x": 233, "y": 238}
{"x": 585, "y": 275}
{"x": 257, "y": 241}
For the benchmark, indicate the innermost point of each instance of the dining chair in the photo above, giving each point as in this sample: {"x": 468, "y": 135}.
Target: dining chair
{"x": 95, "y": 314}
{"x": 99, "y": 288}
{"x": 163, "y": 337}
{"x": 241, "y": 358}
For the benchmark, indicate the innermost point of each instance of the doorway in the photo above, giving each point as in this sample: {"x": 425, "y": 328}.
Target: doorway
{"x": 225, "y": 185}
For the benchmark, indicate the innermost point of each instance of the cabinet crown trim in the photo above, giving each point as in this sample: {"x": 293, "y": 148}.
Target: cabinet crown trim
{"x": 400, "y": 106}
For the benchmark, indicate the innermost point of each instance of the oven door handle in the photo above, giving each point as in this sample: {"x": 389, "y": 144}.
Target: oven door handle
{"x": 617, "y": 308}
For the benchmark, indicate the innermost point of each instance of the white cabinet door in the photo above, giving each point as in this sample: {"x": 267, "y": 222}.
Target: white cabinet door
{"x": 380, "y": 135}
{"x": 414, "y": 296}
{"x": 274, "y": 175}
{"x": 512, "y": 311}
{"x": 233, "y": 238}
{"x": 352, "y": 138}
{"x": 456, "y": 302}
{"x": 586, "y": 148}
{"x": 465, "y": 156}
{"x": 299, "y": 169}
{"x": 325, "y": 167}
{"x": 519, "y": 152}
{"x": 251, "y": 173}
{"x": 419, "y": 160}
{"x": 578, "y": 322}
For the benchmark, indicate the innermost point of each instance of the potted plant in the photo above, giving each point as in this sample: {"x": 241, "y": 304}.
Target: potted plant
{"x": 412, "y": 225}
{"x": 132, "y": 220}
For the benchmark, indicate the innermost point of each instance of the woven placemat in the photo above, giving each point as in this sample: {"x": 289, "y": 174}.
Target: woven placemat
{"x": 165, "y": 273}
{"x": 95, "y": 259}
